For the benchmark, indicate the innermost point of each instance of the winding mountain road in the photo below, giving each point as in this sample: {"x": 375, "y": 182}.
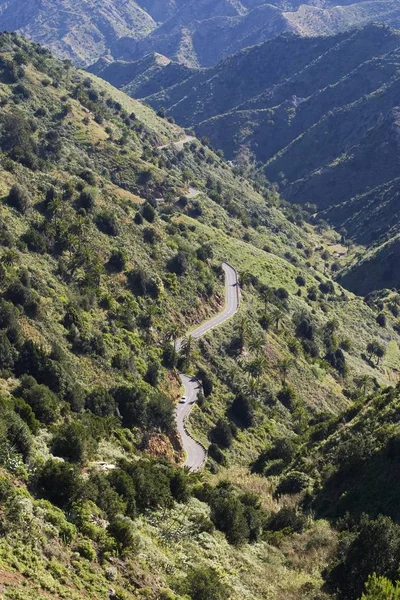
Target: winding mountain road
{"x": 178, "y": 144}
{"x": 196, "y": 454}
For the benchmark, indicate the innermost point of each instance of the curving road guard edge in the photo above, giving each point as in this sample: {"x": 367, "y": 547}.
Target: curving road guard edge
{"x": 196, "y": 453}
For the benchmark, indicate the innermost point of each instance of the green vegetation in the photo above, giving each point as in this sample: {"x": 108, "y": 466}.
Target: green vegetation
{"x": 107, "y": 257}
{"x": 299, "y": 97}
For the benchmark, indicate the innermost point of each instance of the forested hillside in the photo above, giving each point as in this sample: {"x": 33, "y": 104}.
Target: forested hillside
{"x": 114, "y": 225}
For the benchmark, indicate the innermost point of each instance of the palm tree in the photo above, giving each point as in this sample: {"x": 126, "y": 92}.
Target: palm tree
{"x": 186, "y": 350}
{"x": 380, "y": 353}
{"x": 79, "y": 228}
{"x": 256, "y": 344}
{"x": 266, "y": 296}
{"x": 331, "y": 326}
{"x": 375, "y": 348}
{"x": 245, "y": 278}
{"x": 152, "y": 311}
{"x": 172, "y": 334}
{"x": 243, "y": 327}
{"x": 54, "y": 207}
{"x": 284, "y": 367}
{"x": 72, "y": 242}
{"x": 277, "y": 317}
{"x": 255, "y": 370}
{"x": 9, "y": 257}
{"x": 364, "y": 383}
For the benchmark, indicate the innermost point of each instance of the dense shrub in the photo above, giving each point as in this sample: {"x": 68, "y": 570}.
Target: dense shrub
{"x": 138, "y": 219}
{"x": 381, "y": 319}
{"x": 280, "y": 454}
{"x": 288, "y": 519}
{"x": 160, "y": 412}
{"x": 204, "y": 252}
{"x": 8, "y": 314}
{"x": 58, "y": 482}
{"x": 19, "y": 198}
{"x": 287, "y": 396}
{"x": 380, "y": 588}
{"x": 87, "y": 198}
{"x": 179, "y": 263}
{"x": 149, "y": 484}
{"x": 300, "y": 280}
{"x": 304, "y": 326}
{"x": 204, "y": 583}
{"x": 88, "y": 176}
{"x": 148, "y": 410}
{"x": 374, "y": 549}
{"x": 122, "y": 530}
{"x": 215, "y": 452}
{"x": 338, "y": 361}
{"x": 71, "y": 442}
{"x": 327, "y": 287}
{"x": 228, "y": 515}
{"x": 169, "y": 356}
{"x": 117, "y": 260}
{"x": 293, "y": 482}
{"x": 36, "y": 240}
{"x": 243, "y": 410}
{"x": 148, "y": 212}
{"x": 18, "y": 294}
{"x": 85, "y": 549}
{"x": 7, "y": 352}
{"x": 206, "y": 382}
{"x": 281, "y": 293}
{"x": 100, "y": 402}
{"x": 15, "y": 435}
{"x": 33, "y": 360}
{"x": 107, "y": 223}
{"x": 222, "y": 434}
{"x": 150, "y": 235}
{"x": 40, "y": 398}
{"x": 26, "y": 413}
{"x": 142, "y": 283}
{"x": 239, "y": 517}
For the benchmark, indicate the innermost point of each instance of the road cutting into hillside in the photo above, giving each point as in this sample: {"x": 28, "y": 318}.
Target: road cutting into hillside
{"x": 178, "y": 144}
{"x": 196, "y": 454}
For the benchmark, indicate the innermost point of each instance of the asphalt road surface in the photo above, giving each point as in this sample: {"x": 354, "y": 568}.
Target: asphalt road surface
{"x": 195, "y": 452}
{"x": 179, "y": 144}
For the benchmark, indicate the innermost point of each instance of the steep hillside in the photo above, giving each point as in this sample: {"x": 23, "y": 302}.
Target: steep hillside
{"x": 196, "y": 33}
{"x": 143, "y": 77}
{"x": 377, "y": 264}
{"x": 113, "y": 228}
{"x": 320, "y": 114}
{"x": 346, "y": 468}
{"x": 202, "y": 33}
{"x": 81, "y": 32}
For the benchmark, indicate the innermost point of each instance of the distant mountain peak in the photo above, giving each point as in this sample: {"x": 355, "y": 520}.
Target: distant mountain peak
{"x": 197, "y": 33}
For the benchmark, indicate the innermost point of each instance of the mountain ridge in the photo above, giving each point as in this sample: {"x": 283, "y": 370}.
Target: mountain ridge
{"x": 114, "y": 224}
{"x": 309, "y": 123}
{"x": 196, "y": 34}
